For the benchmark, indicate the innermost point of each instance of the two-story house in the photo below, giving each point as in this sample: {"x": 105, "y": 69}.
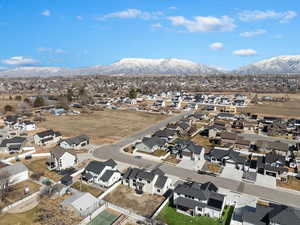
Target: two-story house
{"x": 77, "y": 142}
{"x": 47, "y": 137}
{"x": 61, "y": 159}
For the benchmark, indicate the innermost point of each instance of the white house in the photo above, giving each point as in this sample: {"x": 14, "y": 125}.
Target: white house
{"x": 17, "y": 172}
{"x": 61, "y": 159}
{"x": 11, "y": 145}
{"x": 153, "y": 182}
{"x": 78, "y": 142}
{"x": 195, "y": 199}
{"x": 25, "y": 125}
{"x": 103, "y": 173}
{"x": 47, "y": 137}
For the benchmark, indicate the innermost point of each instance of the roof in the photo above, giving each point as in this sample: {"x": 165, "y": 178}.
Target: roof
{"x": 135, "y": 173}
{"x": 14, "y": 140}
{"x": 81, "y": 201}
{"x": 14, "y": 169}
{"x": 58, "y": 152}
{"x": 110, "y": 163}
{"x": 76, "y": 140}
{"x": 45, "y": 133}
{"x": 107, "y": 175}
{"x": 153, "y": 141}
{"x": 229, "y": 136}
{"x": 188, "y": 203}
{"x": 161, "y": 181}
{"x": 97, "y": 166}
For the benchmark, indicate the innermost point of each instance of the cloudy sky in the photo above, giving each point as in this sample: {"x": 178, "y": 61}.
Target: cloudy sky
{"x": 78, "y": 33}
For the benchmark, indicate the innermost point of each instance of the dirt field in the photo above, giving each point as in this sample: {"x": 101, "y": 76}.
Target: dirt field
{"x": 144, "y": 205}
{"x": 103, "y": 127}
{"x": 289, "y": 109}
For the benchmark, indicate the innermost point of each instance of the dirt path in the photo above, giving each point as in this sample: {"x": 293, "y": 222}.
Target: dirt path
{"x": 25, "y": 206}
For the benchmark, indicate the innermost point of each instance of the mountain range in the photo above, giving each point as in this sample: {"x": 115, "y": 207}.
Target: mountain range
{"x": 172, "y": 66}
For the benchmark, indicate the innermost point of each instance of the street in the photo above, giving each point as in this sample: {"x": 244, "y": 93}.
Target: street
{"x": 113, "y": 152}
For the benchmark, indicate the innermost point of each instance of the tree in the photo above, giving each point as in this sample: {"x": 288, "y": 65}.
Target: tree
{"x": 132, "y": 93}
{"x": 39, "y": 102}
{"x": 8, "y": 108}
{"x": 4, "y": 185}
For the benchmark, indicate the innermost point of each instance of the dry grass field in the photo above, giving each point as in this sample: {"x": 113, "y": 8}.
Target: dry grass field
{"x": 289, "y": 109}
{"x": 144, "y": 205}
{"x": 104, "y": 126}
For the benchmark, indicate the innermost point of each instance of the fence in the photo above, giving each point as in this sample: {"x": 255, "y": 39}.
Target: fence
{"x": 162, "y": 206}
{"x": 109, "y": 190}
{"x": 22, "y": 156}
{"x": 93, "y": 215}
{"x": 20, "y": 202}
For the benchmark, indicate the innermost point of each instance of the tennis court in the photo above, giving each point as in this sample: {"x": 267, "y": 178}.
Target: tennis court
{"x": 104, "y": 218}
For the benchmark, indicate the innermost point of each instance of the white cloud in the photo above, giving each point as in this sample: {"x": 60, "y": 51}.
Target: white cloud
{"x": 51, "y": 50}
{"x": 216, "y": 46}
{"x": 244, "y": 52}
{"x": 173, "y": 7}
{"x": 2, "y": 68}
{"x": 20, "y": 60}
{"x": 132, "y": 14}
{"x": 204, "y": 24}
{"x": 283, "y": 17}
{"x": 156, "y": 25}
{"x": 253, "y": 33}
{"x": 46, "y": 12}
{"x": 79, "y": 17}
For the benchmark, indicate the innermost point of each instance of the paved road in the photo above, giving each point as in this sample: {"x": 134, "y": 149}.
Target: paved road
{"x": 112, "y": 152}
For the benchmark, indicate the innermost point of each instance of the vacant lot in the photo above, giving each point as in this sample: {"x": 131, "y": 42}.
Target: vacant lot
{"x": 287, "y": 109}
{"x": 87, "y": 188}
{"x": 104, "y": 126}
{"x": 144, "y": 205}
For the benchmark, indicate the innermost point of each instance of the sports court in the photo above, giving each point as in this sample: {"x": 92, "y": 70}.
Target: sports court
{"x": 105, "y": 218}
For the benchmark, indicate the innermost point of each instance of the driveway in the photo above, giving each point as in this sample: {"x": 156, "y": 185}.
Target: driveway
{"x": 266, "y": 181}
{"x": 232, "y": 173}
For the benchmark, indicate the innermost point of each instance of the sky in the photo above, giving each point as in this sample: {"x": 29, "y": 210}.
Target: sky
{"x": 79, "y": 33}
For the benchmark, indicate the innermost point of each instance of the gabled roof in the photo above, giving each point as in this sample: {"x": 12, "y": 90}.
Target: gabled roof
{"x": 107, "y": 175}
{"x": 58, "y": 152}
{"x": 76, "y": 140}
{"x": 154, "y": 141}
{"x": 95, "y": 167}
{"x": 45, "y": 133}
{"x": 161, "y": 181}
{"x": 110, "y": 163}
{"x": 14, "y": 140}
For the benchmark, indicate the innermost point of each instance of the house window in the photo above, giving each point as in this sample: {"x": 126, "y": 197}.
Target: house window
{"x": 158, "y": 190}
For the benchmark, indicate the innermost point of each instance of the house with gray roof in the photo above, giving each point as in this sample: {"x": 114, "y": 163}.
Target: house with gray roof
{"x": 17, "y": 172}
{"x": 77, "y": 142}
{"x": 266, "y": 214}
{"x": 196, "y": 199}
{"x": 61, "y": 159}
{"x": 12, "y": 145}
{"x": 153, "y": 182}
{"x": 151, "y": 144}
{"x": 104, "y": 174}
{"x": 47, "y": 137}
{"x": 188, "y": 149}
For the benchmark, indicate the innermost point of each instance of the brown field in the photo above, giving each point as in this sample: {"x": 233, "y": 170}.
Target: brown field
{"x": 87, "y": 188}
{"x": 104, "y": 126}
{"x": 144, "y": 205}
{"x": 293, "y": 183}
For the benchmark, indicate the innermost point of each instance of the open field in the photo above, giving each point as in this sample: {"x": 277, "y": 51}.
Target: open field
{"x": 144, "y": 205}
{"x": 104, "y": 126}
{"x": 26, "y": 218}
{"x": 289, "y": 109}
{"x": 39, "y": 166}
{"x": 87, "y": 188}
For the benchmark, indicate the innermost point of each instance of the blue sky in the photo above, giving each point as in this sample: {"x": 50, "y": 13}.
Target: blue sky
{"x": 78, "y": 33}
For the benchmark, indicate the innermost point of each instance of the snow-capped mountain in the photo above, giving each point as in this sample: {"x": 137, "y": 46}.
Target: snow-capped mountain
{"x": 127, "y": 66}
{"x": 274, "y": 65}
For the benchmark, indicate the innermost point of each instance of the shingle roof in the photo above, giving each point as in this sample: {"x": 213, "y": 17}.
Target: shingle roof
{"x": 95, "y": 167}
{"x": 161, "y": 181}
{"x": 107, "y": 175}
{"x": 76, "y": 140}
{"x": 58, "y": 152}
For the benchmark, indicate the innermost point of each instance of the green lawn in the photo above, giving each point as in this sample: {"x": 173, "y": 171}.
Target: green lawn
{"x": 171, "y": 217}
{"x": 104, "y": 218}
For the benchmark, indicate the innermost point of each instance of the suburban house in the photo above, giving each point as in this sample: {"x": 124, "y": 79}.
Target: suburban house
{"x": 11, "y": 120}
{"x": 273, "y": 165}
{"x": 196, "y": 199}
{"x": 266, "y": 214}
{"x": 154, "y": 181}
{"x": 25, "y": 125}
{"x": 166, "y": 134}
{"x": 226, "y": 116}
{"x": 81, "y": 203}
{"x": 78, "y": 142}
{"x": 159, "y": 103}
{"x": 12, "y": 145}
{"x": 61, "y": 159}
{"x": 16, "y": 173}
{"x": 188, "y": 149}
{"x": 102, "y": 173}
{"x": 47, "y": 137}
{"x": 228, "y": 138}
{"x": 150, "y": 144}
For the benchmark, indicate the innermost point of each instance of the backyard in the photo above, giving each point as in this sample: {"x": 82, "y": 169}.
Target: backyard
{"x": 87, "y": 188}
{"x": 103, "y": 126}
{"x": 39, "y": 166}
{"x": 17, "y": 192}
{"x": 293, "y": 183}
{"x": 171, "y": 217}
{"x": 125, "y": 197}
